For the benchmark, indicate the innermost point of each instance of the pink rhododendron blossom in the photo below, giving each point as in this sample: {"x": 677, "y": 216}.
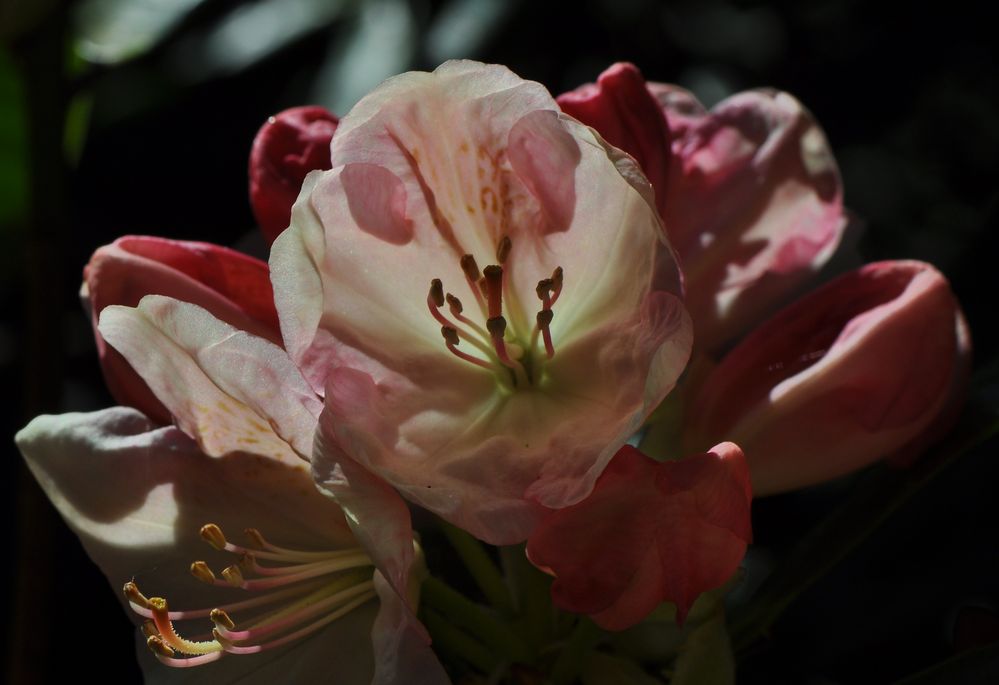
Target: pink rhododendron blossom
{"x": 482, "y": 289}
{"x": 649, "y": 532}
{"x": 245, "y": 420}
{"x": 751, "y": 201}
{"x": 233, "y": 286}
{"x": 848, "y": 374}
{"x": 287, "y": 147}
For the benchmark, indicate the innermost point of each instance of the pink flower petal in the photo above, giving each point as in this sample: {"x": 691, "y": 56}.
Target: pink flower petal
{"x": 231, "y": 391}
{"x": 649, "y": 532}
{"x": 234, "y": 287}
{"x": 287, "y": 147}
{"x": 846, "y": 375}
{"x": 627, "y": 116}
{"x": 753, "y": 205}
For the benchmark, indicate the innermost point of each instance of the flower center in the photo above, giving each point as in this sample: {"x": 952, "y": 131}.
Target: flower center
{"x": 296, "y": 593}
{"x": 500, "y": 348}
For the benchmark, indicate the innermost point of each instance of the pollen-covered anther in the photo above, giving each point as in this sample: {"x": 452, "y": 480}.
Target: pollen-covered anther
{"x": 557, "y": 276}
{"x": 470, "y": 268}
{"x": 256, "y": 539}
{"x": 149, "y": 629}
{"x": 436, "y": 294}
{"x": 233, "y": 575}
{"x": 159, "y": 647}
{"x": 212, "y": 534}
{"x": 454, "y": 304}
{"x": 221, "y": 618}
{"x": 132, "y": 594}
{"x": 200, "y": 570}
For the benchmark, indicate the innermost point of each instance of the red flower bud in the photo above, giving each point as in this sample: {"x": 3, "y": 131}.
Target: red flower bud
{"x": 287, "y": 147}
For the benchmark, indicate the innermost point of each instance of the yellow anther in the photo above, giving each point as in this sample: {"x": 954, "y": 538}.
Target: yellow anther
{"x": 212, "y": 534}
{"x": 158, "y": 646}
{"x": 221, "y": 618}
{"x": 233, "y": 575}
{"x": 133, "y": 595}
{"x": 200, "y": 570}
{"x": 149, "y": 629}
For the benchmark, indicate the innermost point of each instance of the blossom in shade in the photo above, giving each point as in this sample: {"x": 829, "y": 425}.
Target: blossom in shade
{"x": 874, "y": 362}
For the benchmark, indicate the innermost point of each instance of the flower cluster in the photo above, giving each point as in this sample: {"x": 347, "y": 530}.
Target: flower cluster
{"x": 477, "y": 294}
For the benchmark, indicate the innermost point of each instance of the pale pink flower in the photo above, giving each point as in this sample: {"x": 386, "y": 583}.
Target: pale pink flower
{"x": 482, "y": 289}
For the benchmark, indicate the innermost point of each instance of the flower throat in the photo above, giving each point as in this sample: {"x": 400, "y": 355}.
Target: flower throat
{"x": 502, "y": 350}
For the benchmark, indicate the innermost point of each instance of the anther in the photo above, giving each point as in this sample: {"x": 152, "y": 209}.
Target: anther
{"x": 212, "y": 534}
{"x": 450, "y": 335}
{"x": 221, "y": 618}
{"x": 470, "y": 268}
{"x": 200, "y": 570}
{"x": 455, "y": 304}
{"x": 496, "y": 327}
{"x": 133, "y": 595}
{"x": 158, "y": 646}
{"x": 255, "y": 537}
{"x": 233, "y": 575}
{"x": 557, "y": 275}
{"x": 494, "y": 289}
{"x": 436, "y": 292}
{"x": 503, "y": 249}
{"x": 545, "y": 317}
{"x": 149, "y": 629}
{"x": 544, "y": 289}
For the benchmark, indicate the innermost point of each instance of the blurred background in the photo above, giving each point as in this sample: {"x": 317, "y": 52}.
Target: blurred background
{"x": 136, "y": 116}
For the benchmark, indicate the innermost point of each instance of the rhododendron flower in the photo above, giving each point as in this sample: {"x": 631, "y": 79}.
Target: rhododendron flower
{"x": 751, "y": 200}
{"x": 649, "y": 532}
{"x": 234, "y": 287}
{"x": 482, "y": 289}
{"x": 245, "y": 418}
{"x": 852, "y": 372}
{"x": 288, "y": 146}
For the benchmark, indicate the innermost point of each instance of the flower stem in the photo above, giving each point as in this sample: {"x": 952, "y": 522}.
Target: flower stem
{"x": 474, "y": 618}
{"x": 481, "y": 567}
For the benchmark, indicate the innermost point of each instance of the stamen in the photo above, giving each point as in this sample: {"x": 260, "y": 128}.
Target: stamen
{"x": 544, "y": 320}
{"x": 326, "y": 585}
{"x": 503, "y": 249}
{"x": 470, "y": 268}
{"x": 451, "y": 339}
{"x": 200, "y": 570}
{"x": 557, "y": 275}
{"x": 212, "y": 534}
{"x": 497, "y": 329}
{"x": 493, "y": 275}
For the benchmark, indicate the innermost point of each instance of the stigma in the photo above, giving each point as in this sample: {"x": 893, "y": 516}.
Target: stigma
{"x": 294, "y": 593}
{"x": 497, "y": 346}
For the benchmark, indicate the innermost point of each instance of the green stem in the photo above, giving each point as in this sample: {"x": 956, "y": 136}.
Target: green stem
{"x": 483, "y": 570}
{"x": 451, "y": 640}
{"x": 475, "y": 619}
{"x": 569, "y": 663}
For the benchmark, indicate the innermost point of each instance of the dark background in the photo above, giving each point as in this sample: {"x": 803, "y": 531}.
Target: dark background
{"x": 159, "y": 124}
